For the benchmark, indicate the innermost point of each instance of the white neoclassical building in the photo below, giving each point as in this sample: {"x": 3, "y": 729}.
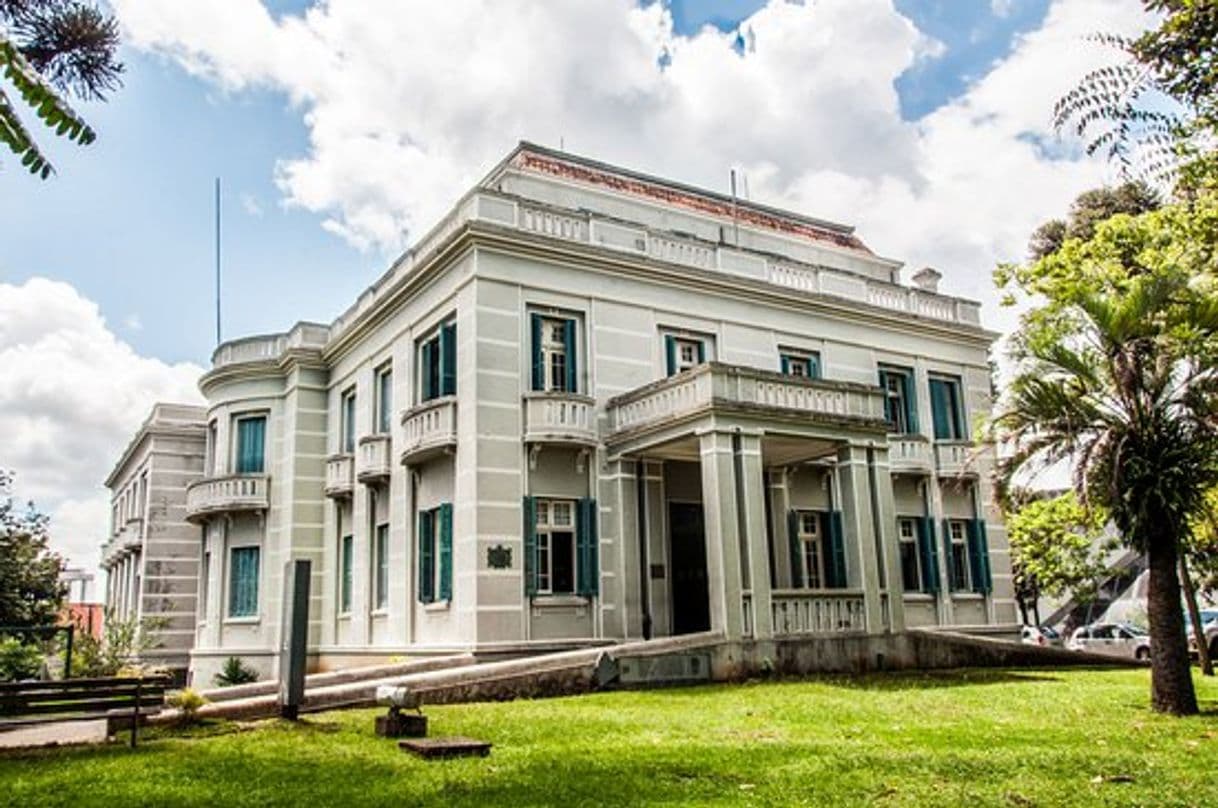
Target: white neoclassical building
{"x": 593, "y": 405}
{"x": 151, "y": 555}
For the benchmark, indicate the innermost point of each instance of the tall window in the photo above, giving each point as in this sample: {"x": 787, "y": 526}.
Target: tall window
{"x": 204, "y": 576}
{"x": 818, "y": 554}
{"x": 911, "y": 575}
{"x": 957, "y": 545}
{"x": 384, "y": 399}
{"x": 346, "y": 551}
{"x": 555, "y": 546}
{"x": 251, "y": 440}
{"x": 812, "y": 549}
{"x": 243, "y": 582}
{"x": 438, "y": 363}
{"x": 900, "y": 404}
{"x": 803, "y": 365}
{"x": 554, "y": 354}
{"x": 435, "y": 537}
{"x": 348, "y": 421}
{"x": 381, "y": 559}
{"x": 947, "y": 408}
{"x": 683, "y": 353}
{"x": 210, "y": 464}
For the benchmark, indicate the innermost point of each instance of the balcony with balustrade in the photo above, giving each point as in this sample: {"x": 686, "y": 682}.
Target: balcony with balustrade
{"x": 236, "y": 493}
{"x": 340, "y": 480}
{"x": 560, "y": 418}
{"x": 956, "y": 458}
{"x": 373, "y": 462}
{"x": 429, "y": 430}
{"x": 910, "y": 454}
{"x": 786, "y": 408}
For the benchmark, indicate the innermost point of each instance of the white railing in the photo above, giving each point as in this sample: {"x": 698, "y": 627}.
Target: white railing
{"x": 550, "y": 223}
{"x": 372, "y": 458}
{"x": 563, "y": 417}
{"x": 817, "y": 612}
{"x": 429, "y": 427}
{"x": 675, "y": 396}
{"x": 805, "y": 279}
{"x": 909, "y": 453}
{"x": 680, "y": 251}
{"x": 727, "y": 385}
{"x": 339, "y": 481}
{"x": 242, "y": 492}
{"x": 954, "y": 458}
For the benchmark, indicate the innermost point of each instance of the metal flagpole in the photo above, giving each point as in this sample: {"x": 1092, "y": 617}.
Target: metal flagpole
{"x": 217, "y": 260}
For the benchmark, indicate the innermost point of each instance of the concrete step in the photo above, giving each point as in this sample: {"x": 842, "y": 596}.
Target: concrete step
{"x": 346, "y": 676}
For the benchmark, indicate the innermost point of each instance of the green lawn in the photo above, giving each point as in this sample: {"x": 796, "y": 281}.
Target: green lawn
{"x": 1017, "y": 738}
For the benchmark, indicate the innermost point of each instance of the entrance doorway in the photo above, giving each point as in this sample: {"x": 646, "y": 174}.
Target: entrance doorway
{"x": 690, "y": 589}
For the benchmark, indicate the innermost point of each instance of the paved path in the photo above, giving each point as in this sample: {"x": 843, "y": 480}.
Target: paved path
{"x": 51, "y": 734}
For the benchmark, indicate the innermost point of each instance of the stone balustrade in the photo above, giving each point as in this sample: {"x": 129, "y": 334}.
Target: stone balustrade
{"x": 429, "y": 429}
{"x": 955, "y": 458}
{"x": 373, "y": 461}
{"x": 798, "y": 611}
{"x": 910, "y": 454}
{"x": 233, "y": 493}
{"x": 559, "y": 418}
{"x": 340, "y": 481}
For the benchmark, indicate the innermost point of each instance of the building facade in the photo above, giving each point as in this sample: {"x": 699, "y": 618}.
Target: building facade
{"x": 593, "y": 405}
{"x": 151, "y": 557}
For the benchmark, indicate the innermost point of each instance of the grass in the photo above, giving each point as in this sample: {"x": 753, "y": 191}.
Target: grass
{"x": 1012, "y": 738}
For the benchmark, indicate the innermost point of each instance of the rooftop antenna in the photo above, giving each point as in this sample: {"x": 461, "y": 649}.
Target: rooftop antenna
{"x": 735, "y": 220}
{"x": 217, "y": 260}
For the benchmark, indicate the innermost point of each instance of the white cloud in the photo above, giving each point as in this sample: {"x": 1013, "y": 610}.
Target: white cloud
{"x": 1002, "y": 8}
{"x": 407, "y": 105}
{"x": 72, "y": 397}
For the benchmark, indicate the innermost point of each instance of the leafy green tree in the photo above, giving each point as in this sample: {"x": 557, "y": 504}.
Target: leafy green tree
{"x": 1056, "y": 542}
{"x": 122, "y": 642}
{"x": 30, "y": 591}
{"x": 1089, "y": 209}
{"x": 1117, "y": 373}
{"x": 49, "y": 48}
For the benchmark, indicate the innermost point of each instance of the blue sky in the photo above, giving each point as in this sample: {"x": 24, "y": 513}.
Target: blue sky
{"x": 128, "y": 221}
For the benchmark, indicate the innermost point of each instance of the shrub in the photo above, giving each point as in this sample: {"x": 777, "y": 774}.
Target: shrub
{"x": 235, "y": 672}
{"x": 122, "y": 642}
{"x": 187, "y": 702}
{"x": 18, "y": 660}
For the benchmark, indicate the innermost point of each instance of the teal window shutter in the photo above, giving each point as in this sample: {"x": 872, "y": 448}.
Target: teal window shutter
{"x": 539, "y": 369}
{"x": 940, "y": 407}
{"x": 784, "y": 364}
{"x": 243, "y": 582}
{"x": 928, "y": 555}
{"x": 382, "y": 566}
{"x": 797, "y": 557}
{"x": 979, "y": 557}
{"x": 568, "y": 339}
{"x": 837, "y": 552}
{"x": 529, "y": 533}
{"x": 949, "y": 556}
{"x": 251, "y": 438}
{"x": 348, "y": 549}
{"x": 448, "y": 359}
{"x": 814, "y": 366}
{"x": 386, "y": 401}
{"x": 427, "y": 359}
{"x": 670, "y": 354}
{"x": 446, "y": 551}
{"x": 701, "y": 352}
{"x": 957, "y": 399}
{"x": 426, "y": 558}
{"x": 588, "y": 573}
{"x": 911, "y": 402}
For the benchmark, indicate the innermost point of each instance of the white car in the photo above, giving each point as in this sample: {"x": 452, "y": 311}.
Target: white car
{"x": 1209, "y": 626}
{"x": 1113, "y": 639}
{"x": 1043, "y": 636}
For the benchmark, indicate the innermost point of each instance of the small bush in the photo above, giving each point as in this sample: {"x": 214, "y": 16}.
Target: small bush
{"x": 235, "y": 672}
{"x": 19, "y": 661}
{"x": 187, "y": 702}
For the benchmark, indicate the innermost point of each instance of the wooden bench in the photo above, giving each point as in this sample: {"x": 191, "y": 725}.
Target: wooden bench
{"x": 118, "y": 701}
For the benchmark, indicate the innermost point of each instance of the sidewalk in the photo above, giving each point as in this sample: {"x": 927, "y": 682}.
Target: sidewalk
{"x": 64, "y": 732}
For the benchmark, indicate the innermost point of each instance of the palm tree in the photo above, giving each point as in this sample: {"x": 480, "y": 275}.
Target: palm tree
{"x": 1117, "y": 375}
{"x": 49, "y": 48}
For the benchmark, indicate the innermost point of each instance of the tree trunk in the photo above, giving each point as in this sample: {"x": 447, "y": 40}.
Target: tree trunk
{"x": 1171, "y": 680}
{"x": 1194, "y": 616}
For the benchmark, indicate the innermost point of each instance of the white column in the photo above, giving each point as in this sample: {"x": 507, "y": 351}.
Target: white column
{"x": 754, "y": 491}
{"x": 886, "y": 513}
{"x": 722, "y": 533}
{"x": 858, "y": 527}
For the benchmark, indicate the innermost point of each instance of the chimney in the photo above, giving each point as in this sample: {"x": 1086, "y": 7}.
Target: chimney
{"x": 927, "y": 279}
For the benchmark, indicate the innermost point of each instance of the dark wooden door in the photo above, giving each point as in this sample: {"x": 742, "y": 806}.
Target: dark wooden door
{"x": 690, "y": 589}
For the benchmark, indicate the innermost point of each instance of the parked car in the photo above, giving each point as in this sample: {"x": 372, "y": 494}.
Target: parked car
{"x": 1040, "y": 635}
{"x": 1113, "y": 639}
{"x": 1209, "y": 625}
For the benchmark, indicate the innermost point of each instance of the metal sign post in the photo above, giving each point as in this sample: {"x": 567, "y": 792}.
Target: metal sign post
{"x": 294, "y": 637}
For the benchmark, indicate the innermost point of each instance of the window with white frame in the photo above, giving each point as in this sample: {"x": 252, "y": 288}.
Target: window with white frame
{"x": 896, "y": 402}
{"x": 911, "y": 572}
{"x": 812, "y": 547}
{"x": 553, "y": 354}
{"x": 957, "y": 536}
{"x": 381, "y": 556}
{"x": 348, "y": 421}
{"x": 555, "y": 546}
{"x": 800, "y": 364}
